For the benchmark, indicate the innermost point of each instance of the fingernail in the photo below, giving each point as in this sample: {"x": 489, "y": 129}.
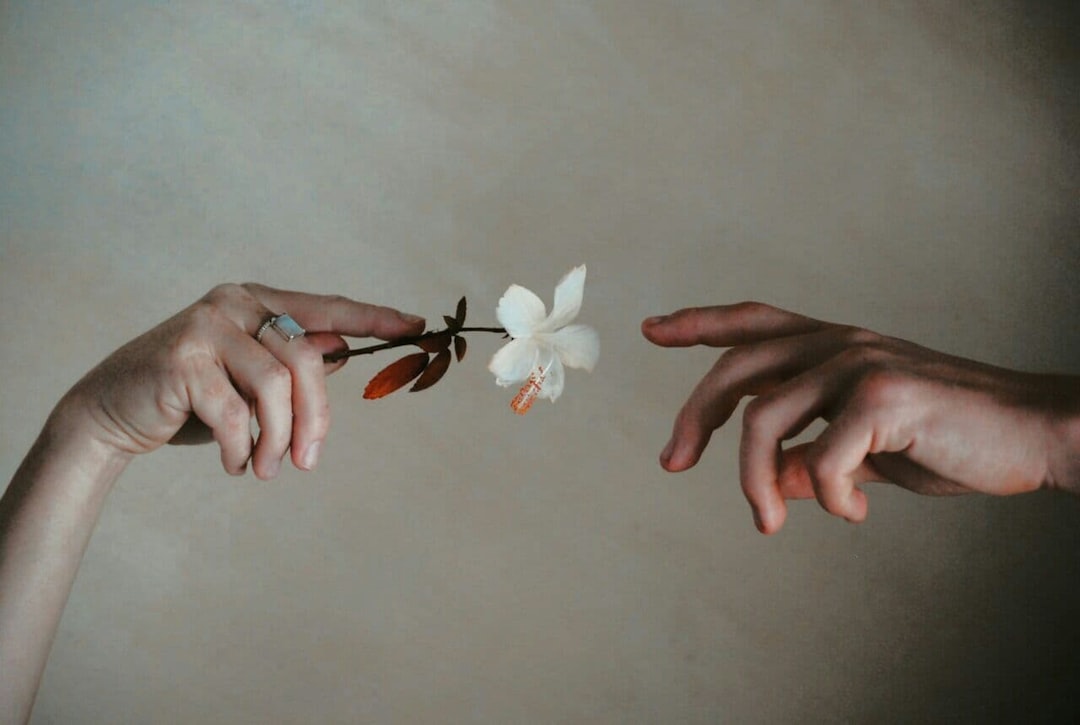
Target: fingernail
{"x": 311, "y": 455}
{"x": 411, "y": 319}
{"x": 273, "y": 467}
{"x": 650, "y": 321}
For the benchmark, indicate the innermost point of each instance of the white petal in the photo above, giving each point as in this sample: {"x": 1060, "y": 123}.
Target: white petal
{"x": 552, "y": 386}
{"x": 578, "y": 346}
{"x": 520, "y": 311}
{"x": 513, "y": 362}
{"x": 568, "y": 295}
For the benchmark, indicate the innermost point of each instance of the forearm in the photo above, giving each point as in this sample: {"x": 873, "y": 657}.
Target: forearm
{"x": 47, "y": 515}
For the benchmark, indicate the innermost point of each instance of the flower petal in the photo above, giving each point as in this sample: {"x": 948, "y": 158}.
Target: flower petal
{"x": 578, "y": 346}
{"x": 568, "y": 295}
{"x": 513, "y": 362}
{"x": 520, "y": 311}
{"x": 552, "y": 386}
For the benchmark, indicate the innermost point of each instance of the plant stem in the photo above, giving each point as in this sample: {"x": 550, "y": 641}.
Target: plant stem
{"x": 401, "y": 342}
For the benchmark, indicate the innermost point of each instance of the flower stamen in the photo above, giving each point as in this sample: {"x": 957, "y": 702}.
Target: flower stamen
{"x": 529, "y": 392}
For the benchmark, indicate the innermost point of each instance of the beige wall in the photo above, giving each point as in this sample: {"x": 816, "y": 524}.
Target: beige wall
{"x": 913, "y": 169}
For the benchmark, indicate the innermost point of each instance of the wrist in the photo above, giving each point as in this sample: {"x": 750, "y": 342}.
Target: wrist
{"x": 72, "y": 439}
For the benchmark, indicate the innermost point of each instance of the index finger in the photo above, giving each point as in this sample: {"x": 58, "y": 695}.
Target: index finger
{"x": 339, "y": 315}
{"x": 727, "y": 325}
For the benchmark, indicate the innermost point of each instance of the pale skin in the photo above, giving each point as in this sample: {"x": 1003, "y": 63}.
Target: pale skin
{"x": 198, "y": 376}
{"x": 896, "y": 412}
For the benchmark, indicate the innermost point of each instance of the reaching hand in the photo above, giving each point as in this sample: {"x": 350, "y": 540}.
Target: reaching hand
{"x": 896, "y": 412}
{"x": 201, "y": 374}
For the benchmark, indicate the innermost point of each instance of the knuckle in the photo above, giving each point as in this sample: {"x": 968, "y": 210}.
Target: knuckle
{"x": 236, "y": 418}
{"x": 865, "y": 357}
{"x": 861, "y": 337}
{"x": 189, "y": 339}
{"x": 822, "y": 469}
{"x": 731, "y": 359}
{"x": 756, "y": 417}
{"x": 202, "y": 317}
{"x": 276, "y": 377}
{"x": 224, "y": 292}
{"x": 337, "y": 300}
{"x": 827, "y": 490}
{"x": 250, "y": 289}
{"x": 879, "y": 386}
{"x": 751, "y": 307}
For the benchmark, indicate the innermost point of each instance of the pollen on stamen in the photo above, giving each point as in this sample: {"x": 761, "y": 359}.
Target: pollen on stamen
{"x": 528, "y": 393}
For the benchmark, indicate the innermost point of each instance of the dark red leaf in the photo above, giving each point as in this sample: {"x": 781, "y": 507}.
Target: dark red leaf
{"x": 396, "y": 375}
{"x": 459, "y": 348}
{"x": 459, "y": 316}
{"x": 450, "y": 322}
{"x": 435, "y": 343}
{"x": 433, "y": 373}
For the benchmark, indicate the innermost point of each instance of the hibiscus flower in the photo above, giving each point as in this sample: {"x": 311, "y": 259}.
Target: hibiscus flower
{"x": 543, "y": 345}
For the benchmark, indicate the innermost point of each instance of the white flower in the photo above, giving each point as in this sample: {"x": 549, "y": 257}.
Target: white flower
{"x": 542, "y": 344}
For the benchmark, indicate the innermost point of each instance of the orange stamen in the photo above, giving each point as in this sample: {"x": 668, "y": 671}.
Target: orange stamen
{"x": 528, "y": 393}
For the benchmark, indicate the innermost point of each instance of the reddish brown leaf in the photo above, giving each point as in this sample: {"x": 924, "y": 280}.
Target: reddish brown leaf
{"x": 450, "y": 322}
{"x": 433, "y": 373}
{"x": 459, "y": 315}
{"x": 435, "y": 343}
{"x": 396, "y": 375}
{"x": 459, "y": 348}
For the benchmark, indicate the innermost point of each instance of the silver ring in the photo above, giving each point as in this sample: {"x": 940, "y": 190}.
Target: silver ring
{"x": 283, "y": 325}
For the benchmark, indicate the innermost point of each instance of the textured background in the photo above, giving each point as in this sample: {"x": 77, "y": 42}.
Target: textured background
{"x": 908, "y": 166}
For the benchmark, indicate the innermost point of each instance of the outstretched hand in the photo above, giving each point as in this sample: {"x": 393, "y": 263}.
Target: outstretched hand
{"x": 897, "y": 412}
{"x": 201, "y": 374}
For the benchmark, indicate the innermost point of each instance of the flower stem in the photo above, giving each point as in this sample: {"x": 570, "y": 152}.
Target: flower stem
{"x": 403, "y": 341}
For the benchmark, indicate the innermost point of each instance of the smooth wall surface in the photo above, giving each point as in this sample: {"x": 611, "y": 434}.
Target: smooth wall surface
{"x": 912, "y": 167}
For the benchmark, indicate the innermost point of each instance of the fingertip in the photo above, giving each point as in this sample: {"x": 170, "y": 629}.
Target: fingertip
{"x": 769, "y": 520}
{"x": 655, "y": 330}
{"x": 405, "y": 325}
{"x": 310, "y": 459}
{"x": 234, "y": 461}
{"x": 265, "y": 472}
{"x": 665, "y": 455}
{"x": 411, "y": 320}
{"x": 650, "y": 322}
{"x": 857, "y": 506}
{"x": 327, "y": 343}
{"x": 684, "y": 455}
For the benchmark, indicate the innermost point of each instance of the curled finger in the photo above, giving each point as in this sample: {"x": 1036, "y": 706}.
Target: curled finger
{"x": 750, "y": 369}
{"x": 267, "y": 382}
{"x": 310, "y": 407}
{"x": 225, "y": 412}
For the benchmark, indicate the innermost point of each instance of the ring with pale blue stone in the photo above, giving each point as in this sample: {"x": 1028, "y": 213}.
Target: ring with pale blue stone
{"x": 283, "y": 325}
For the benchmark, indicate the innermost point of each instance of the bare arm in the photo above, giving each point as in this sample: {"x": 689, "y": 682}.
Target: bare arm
{"x": 198, "y": 376}
{"x": 46, "y": 517}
